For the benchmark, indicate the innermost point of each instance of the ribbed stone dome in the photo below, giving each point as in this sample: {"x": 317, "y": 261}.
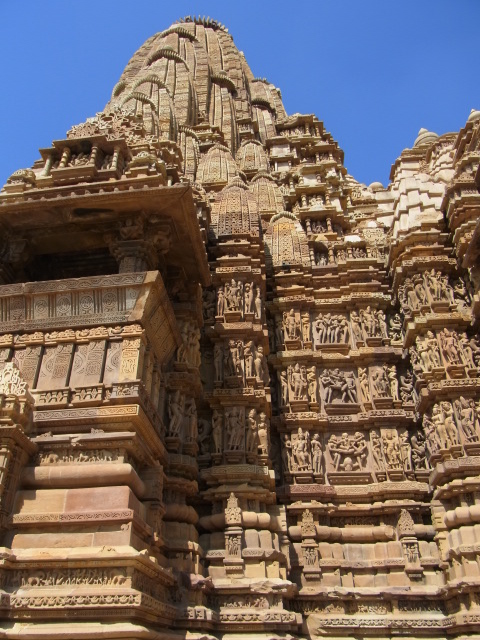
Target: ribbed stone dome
{"x": 267, "y": 194}
{"x": 207, "y": 78}
{"x": 474, "y": 115}
{"x": 286, "y": 242}
{"x": 235, "y": 211}
{"x": 425, "y": 137}
{"x": 251, "y": 158}
{"x": 217, "y": 167}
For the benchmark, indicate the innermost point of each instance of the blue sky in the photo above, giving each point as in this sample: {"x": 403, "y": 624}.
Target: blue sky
{"x": 374, "y": 71}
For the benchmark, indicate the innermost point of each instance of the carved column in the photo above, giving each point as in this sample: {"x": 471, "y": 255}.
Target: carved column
{"x": 138, "y": 245}
{"x": 16, "y": 404}
{"x": 233, "y": 561}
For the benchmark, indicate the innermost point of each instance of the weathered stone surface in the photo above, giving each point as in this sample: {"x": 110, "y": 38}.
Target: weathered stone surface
{"x": 239, "y": 391}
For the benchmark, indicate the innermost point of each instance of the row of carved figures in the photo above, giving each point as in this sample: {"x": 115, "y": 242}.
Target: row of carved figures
{"x": 234, "y": 296}
{"x": 448, "y": 424}
{"x": 234, "y": 429}
{"x": 444, "y": 349}
{"x": 332, "y": 255}
{"x": 331, "y": 328}
{"x": 452, "y": 423}
{"x": 240, "y": 360}
{"x": 95, "y": 158}
{"x": 299, "y": 382}
{"x": 189, "y": 350}
{"x": 324, "y": 226}
{"x": 315, "y": 202}
{"x": 387, "y": 451}
{"x": 429, "y": 287}
{"x": 182, "y": 417}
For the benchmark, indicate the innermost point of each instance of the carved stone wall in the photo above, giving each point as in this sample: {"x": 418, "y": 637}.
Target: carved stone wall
{"x": 239, "y": 391}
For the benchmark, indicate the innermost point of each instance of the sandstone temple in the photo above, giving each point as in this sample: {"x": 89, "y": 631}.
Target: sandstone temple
{"x": 239, "y": 390}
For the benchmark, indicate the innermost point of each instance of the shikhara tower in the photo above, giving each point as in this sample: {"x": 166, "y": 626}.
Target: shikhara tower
{"x": 239, "y": 391}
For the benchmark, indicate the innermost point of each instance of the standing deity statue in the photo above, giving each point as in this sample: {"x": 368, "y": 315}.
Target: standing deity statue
{"x": 439, "y": 428}
{"x": 234, "y": 428}
{"x": 317, "y": 455}
{"x": 301, "y": 450}
{"x": 380, "y": 383}
{"x": 377, "y": 451}
{"x": 344, "y": 333}
{"x": 182, "y": 351}
{"x": 449, "y": 346}
{"x": 237, "y": 357}
{"x": 392, "y": 376}
{"x": 421, "y": 354}
{"x": 248, "y": 354}
{"x": 252, "y": 432}
{"x": 298, "y": 382}
{"x": 433, "y": 284}
{"x": 466, "y": 350}
{"x": 305, "y": 327}
{"x": 284, "y": 387}
{"x": 312, "y": 383}
{"x": 218, "y": 361}
{"x": 176, "y": 403}
{"x": 406, "y": 451}
{"x": 318, "y": 331}
{"x": 349, "y": 388}
{"x": 191, "y": 420}
{"x": 261, "y": 372}
{"x": 382, "y": 324}
{"x": 204, "y": 436}
{"x": 369, "y": 322}
{"x": 249, "y": 297}
{"x": 278, "y": 332}
{"x": 287, "y": 454}
{"x": 356, "y": 327}
{"x": 447, "y": 290}
{"x": 450, "y": 426}
{"x": 195, "y": 356}
{"x": 391, "y": 450}
{"x": 217, "y": 431}
{"x": 364, "y": 385}
{"x": 263, "y": 434}
{"x": 258, "y": 303}
{"x": 220, "y": 301}
{"x": 290, "y": 325}
{"x": 233, "y": 295}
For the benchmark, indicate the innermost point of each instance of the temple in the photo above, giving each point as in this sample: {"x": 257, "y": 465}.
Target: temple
{"x": 239, "y": 390}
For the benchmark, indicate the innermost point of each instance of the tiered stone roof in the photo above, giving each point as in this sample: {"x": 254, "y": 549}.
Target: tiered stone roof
{"x": 239, "y": 390}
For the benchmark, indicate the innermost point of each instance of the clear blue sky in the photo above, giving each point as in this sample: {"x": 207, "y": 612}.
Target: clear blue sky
{"x": 374, "y": 71}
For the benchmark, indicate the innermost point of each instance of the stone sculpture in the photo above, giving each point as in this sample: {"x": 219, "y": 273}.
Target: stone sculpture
{"x": 239, "y": 390}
